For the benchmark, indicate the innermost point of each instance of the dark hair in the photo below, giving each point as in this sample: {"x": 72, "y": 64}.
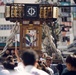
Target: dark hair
{"x": 9, "y": 58}
{"x": 72, "y": 60}
{"x": 29, "y": 57}
{"x": 74, "y": 53}
{"x": 8, "y": 66}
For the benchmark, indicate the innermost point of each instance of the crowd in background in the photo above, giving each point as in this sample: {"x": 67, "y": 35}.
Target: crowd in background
{"x": 29, "y": 63}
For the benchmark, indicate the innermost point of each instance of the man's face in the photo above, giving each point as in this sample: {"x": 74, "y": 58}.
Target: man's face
{"x": 48, "y": 62}
{"x": 68, "y": 66}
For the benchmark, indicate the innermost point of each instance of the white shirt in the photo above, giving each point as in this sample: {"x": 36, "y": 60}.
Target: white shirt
{"x": 33, "y": 70}
{"x": 51, "y": 71}
{"x": 20, "y": 67}
{"x": 3, "y": 71}
{"x": 20, "y": 73}
{"x": 19, "y": 70}
{"x": 29, "y": 69}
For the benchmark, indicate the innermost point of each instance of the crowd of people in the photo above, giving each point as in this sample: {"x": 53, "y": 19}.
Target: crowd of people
{"x": 29, "y": 63}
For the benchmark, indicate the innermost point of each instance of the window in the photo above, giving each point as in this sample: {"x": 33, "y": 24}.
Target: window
{"x": 65, "y": 28}
{"x": 64, "y": 19}
{"x": 66, "y": 9}
{"x": 3, "y": 39}
{"x": 10, "y": 27}
{"x": 66, "y": 38}
{"x": 1, "y": 27}
{"x": 6, "y": 27}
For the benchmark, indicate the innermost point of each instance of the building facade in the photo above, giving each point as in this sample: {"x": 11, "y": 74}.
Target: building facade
{"x": 66, "y": 22}
{"x": 5, "y": 26}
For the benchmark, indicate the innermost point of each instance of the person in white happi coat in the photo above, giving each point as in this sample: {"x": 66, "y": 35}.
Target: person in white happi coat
{"x": 30, "y": 61}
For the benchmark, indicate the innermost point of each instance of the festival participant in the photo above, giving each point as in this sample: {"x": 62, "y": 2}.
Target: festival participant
{"x": 71, "y": 65}
{"x": 29, "y": 63}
